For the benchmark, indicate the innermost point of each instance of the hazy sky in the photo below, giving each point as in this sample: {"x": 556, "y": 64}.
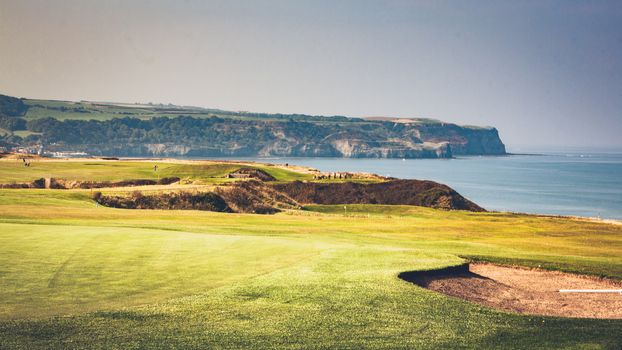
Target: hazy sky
{"x": 544, "y": 73}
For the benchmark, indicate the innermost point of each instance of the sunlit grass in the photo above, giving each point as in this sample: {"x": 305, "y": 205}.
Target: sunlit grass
{"x": 13, "y": 171}
{"x": 74, "y": 275}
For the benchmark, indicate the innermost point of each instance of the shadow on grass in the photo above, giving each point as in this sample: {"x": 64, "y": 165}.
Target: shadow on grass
{"x": 421, "y": 277}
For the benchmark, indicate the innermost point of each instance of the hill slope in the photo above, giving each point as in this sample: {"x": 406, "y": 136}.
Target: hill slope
{"x": 159, "y": 130}
{"x": 400, "y": 192}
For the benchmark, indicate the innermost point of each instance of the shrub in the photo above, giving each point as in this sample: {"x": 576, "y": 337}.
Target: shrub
{"x": 12, "y": 123}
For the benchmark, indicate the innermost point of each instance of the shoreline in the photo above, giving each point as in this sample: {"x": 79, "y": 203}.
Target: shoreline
{"x": 292, "y": 167}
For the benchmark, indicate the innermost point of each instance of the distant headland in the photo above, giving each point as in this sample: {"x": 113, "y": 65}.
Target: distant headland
{"x": 144, "y": 130}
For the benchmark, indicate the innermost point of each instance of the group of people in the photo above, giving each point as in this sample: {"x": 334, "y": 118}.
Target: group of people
{"x": 332, "y": 176}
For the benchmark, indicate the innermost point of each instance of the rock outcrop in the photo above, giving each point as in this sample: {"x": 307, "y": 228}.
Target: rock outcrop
{"x": 186, "y": 136}
{"x": 238, "y": 134}
{"x": 405, "y": 192}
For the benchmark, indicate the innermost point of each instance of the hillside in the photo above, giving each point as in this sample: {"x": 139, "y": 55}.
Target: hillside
{"x": 220, "y": 186}
{"x": 168, "y": 130}
{"x": 393, "y": 192}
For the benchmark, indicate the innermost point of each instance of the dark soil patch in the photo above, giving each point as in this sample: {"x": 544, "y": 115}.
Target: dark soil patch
{"x": 250, "y": 196}
{"x": 255, "y": 197}
{"x": 404, "y": 192}
{"x": 251, "y": 173}
{"x": 103, "y": 184}
{"x": 174, "y": 201}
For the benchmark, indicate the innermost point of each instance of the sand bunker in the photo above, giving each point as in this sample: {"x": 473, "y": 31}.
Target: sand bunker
{"x": 522, "y": 290}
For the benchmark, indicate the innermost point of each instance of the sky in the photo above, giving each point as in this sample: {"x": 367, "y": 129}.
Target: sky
{"x": 544, "y": 73}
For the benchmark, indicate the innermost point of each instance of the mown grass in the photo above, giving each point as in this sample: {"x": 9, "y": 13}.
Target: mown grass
{"x": 101, "y": 170}
{"x": 96, "y": 170}
{"x": 73, "y": 275}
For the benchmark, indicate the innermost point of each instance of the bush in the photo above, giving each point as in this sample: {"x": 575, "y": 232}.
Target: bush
{"x": 12, "y": 106}
{"x": 12, "y": 124}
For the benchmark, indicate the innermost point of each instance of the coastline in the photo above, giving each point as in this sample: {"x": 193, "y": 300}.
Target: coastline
{"x": 293, "y": 167}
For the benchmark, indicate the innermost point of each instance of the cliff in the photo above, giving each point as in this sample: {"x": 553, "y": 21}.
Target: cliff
{"x": 261, "y": 198}
{"x": 58, "y": 126}
{"x": 394, "y": 192}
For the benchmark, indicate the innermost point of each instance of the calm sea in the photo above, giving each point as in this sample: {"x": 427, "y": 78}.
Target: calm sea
{"x": 581, "y": 184}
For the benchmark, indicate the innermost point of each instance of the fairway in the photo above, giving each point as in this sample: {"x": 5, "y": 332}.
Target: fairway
{"x": 74, "y": 275}
{"x": 13, "y": 171}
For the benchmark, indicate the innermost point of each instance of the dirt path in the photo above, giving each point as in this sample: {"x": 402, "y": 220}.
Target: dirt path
{"x": 527, "y": 291}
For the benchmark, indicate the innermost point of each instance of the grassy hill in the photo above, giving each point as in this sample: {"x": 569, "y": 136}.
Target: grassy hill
{"x": 86, "y": 110}
{"x": 111, "y": 129}
{"x": 75, "y": 275}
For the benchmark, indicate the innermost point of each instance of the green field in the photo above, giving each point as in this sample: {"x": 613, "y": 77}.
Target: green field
{"x": 101, "y": 170}
{"x": 64, "y": 110}
{"x": 77, "y": 276}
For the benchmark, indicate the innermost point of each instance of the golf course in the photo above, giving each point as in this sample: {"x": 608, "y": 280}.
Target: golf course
{"x": 75, "y": 274}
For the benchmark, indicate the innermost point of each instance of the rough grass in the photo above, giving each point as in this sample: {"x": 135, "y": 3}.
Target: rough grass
{"x": 76, "y": 276}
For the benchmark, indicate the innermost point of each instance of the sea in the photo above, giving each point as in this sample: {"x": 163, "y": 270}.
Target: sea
{"x": 587, "y": 184}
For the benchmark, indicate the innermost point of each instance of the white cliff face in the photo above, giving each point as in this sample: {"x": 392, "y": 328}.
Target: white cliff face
{"x": 390, "y": 149}
{"x": 161, "y": 149}
{"x": 341, "y": 147}
{"x": 298, "y": 139}
{"x": 275, "y": 148}
{"x": 344, "y": 147}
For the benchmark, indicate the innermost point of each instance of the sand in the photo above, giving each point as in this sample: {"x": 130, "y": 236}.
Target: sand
{"x": 529, "y": 291}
